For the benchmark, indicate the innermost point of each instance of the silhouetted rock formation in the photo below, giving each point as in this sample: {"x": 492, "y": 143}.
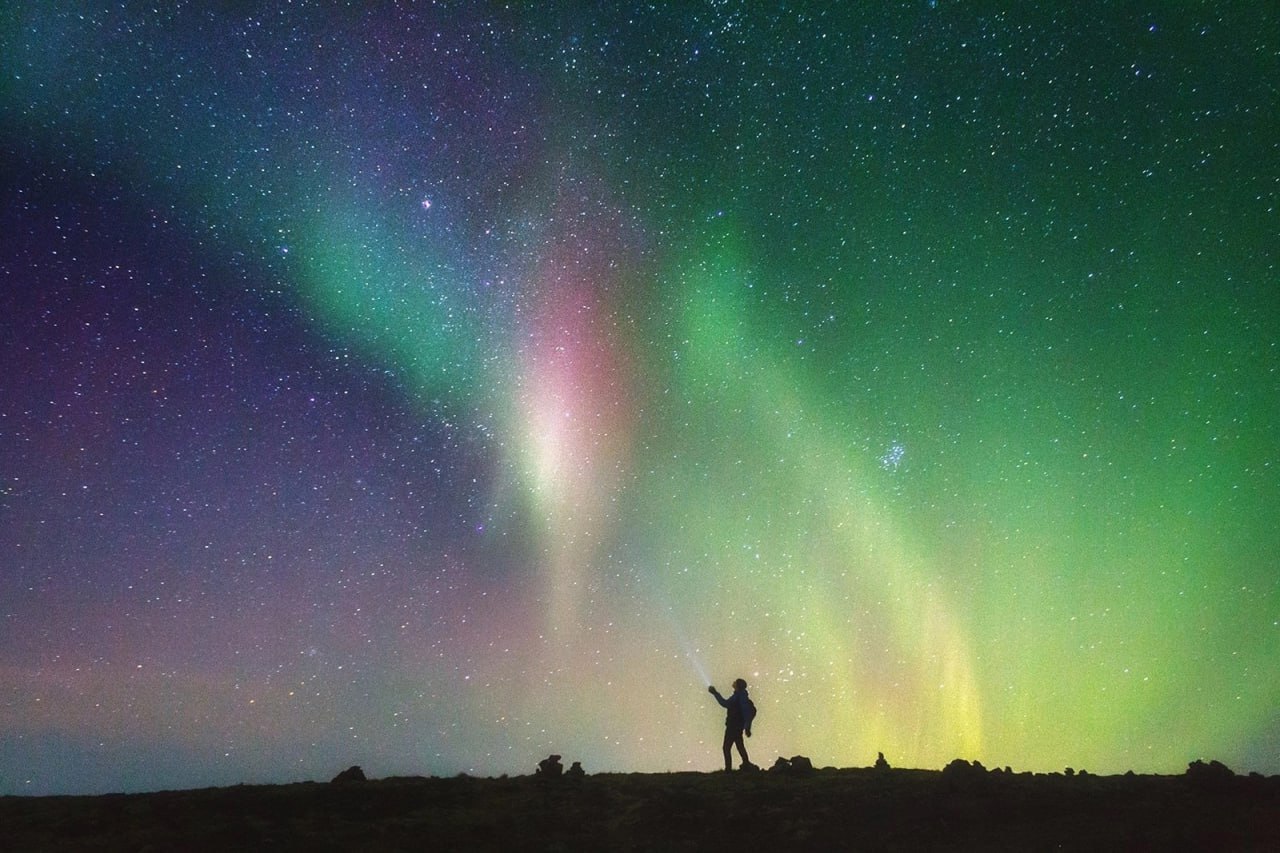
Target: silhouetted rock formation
{"x": 964, "y": 772}
{"x": 351, "y": 774}
{"x": 881, "y": 765}
{"x": 1215, "y": 774}
{"x": 575, "y": 771}
{"x": 550, "y": 767}
{"x": 833, "y": 809}
{"x": 797, "y": 765}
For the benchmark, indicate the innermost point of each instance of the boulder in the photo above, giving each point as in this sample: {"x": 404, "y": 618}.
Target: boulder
{"x": 961, "y": 772}
{"x": 1211, "y": 775}
{"x": 796, "y": 765}
{"x": 550, "y": 767}
{"x": 351, "y": 774}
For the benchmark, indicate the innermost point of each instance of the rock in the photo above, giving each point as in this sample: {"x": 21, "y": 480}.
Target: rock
{"x": 797, "y": 765}
{"x": 575, "y": 771}
{"x": 351, "y": 774}
{"x": 962, "y": 771}
{"x": 1213, "y": 774}
{"x": 1214, "y": 768}
{"x": 550, "y": 767}
{"x": 881, "y": 765}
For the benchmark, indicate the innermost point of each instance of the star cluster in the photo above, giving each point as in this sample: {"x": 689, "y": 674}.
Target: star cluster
{"x": 436, "y": 386}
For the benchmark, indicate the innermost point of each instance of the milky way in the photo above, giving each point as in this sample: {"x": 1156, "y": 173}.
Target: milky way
{"x": 437, "y": 386}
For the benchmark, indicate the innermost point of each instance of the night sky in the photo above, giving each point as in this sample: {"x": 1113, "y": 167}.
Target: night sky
{"x": 437, "y": 386}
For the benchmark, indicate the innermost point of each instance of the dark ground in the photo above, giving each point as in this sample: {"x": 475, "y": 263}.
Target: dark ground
{"x": 825, "y": 810}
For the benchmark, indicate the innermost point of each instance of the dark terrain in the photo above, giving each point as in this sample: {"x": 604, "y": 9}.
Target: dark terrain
{"x": 963, "y": 807}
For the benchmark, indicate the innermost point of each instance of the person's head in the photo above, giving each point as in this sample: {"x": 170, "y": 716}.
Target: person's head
{"x": 739, "y": 684}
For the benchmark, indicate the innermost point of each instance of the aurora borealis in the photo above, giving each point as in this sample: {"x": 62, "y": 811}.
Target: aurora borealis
{"x": 437, "y": 386}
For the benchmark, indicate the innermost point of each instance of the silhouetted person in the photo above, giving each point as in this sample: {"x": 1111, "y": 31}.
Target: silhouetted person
{"x": 737, "y": 721}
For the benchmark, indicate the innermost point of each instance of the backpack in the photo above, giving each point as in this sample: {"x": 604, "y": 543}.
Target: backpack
{"x": 748, "y": 713}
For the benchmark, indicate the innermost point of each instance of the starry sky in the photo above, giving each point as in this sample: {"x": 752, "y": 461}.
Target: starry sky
{"x": 437, "y": 386}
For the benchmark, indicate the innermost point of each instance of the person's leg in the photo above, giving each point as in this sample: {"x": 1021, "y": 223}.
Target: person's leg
{"x": 728, "y": 744}
{"x": 742, "y": 747}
